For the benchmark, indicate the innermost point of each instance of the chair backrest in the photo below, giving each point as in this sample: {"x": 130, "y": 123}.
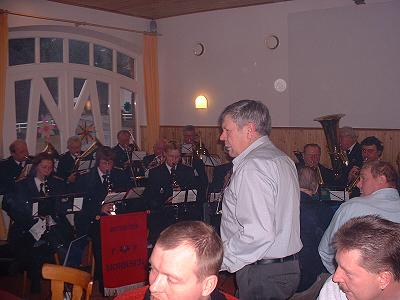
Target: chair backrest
{"x": 59, "y": 275}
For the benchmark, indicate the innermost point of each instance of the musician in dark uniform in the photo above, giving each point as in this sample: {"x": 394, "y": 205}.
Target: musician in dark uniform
{"x": 123, "y": 156}
{"x": 219, "y": 177}
{"x": 162, "y": 181}
{"x": 188, "y": 150}
{"x": 32, "y": 252}
{"x": 348, "y": 143}
{"x": 11, "y": 167}
{"x": 67, "y": 160}
{"x": 96, "y": 184}
{"x": 154, "y": 160}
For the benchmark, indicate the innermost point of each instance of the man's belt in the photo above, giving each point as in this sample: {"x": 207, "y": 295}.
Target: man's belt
{"x": 266, "y": 261}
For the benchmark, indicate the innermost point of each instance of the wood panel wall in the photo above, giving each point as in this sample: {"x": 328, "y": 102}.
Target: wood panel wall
{"x": 288, "y": 139}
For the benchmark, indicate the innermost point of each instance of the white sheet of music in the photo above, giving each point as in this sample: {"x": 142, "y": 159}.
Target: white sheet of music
{"x": 138, "y": 155}
{"x": 135, "y": 192}
{"x": 77, "y": 205}
{"x": 35, "y": 209}
{"x": 38, "y": 229}
{"x": 179, "y": 196}
{"x": 339, "y": 195}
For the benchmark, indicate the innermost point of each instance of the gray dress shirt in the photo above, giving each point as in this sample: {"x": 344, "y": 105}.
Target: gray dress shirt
{"x": 384, "y": 202}
{"x": 260, "y": 210}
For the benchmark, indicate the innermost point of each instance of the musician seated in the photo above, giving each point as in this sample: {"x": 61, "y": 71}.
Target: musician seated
{"x": 67, "y": 160}
{"x": 189, "y": 157}
{"x": 348, "y": 143}
{"x": 11, "y": 167}
{"x": 170, "y": 176}
{"x": 123, "y": 156}
{"x": 35, "y": 238}
{"x": 96, "y": 184}
{"x": 315, "y": 217}
{"x": 155, "y": 159}
{"x": 312, "y": 157}
{"x": 371, "y": 150}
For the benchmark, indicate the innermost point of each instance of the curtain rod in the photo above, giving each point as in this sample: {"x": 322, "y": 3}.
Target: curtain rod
{"x": 77, "y": 23}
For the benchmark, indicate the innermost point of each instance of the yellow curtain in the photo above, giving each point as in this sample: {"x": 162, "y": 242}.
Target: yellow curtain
{"x": 3, "y": 69}
{"x": 151, "y": 90}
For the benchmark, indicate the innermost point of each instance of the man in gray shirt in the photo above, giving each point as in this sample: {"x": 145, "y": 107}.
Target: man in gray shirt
{"x": 260, "y": 225}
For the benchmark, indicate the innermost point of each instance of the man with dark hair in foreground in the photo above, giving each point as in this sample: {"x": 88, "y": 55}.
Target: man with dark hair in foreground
{"x": 184, "y": 265}
{"x": 368, "y": 261}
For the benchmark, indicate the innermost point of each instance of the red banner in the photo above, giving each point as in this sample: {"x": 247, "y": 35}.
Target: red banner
{"x": 124, "y": 249}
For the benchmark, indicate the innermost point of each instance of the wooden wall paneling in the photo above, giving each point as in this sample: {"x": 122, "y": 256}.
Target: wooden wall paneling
{"x": 289, "y": 139}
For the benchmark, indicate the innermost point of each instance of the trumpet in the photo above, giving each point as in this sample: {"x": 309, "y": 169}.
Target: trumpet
{"x": 320, "y": 179}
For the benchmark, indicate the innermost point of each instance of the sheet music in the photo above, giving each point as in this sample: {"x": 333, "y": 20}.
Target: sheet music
{"x": 135, "y": 192}
{"x": 112, "y": 197}
{"x": 77, "y": 204}
{"x": 35, "y": 209}
{"x": 84, "y": 166}
{"x": 179, "y": 196}
{"x": 339, "y": 195}
{"x": 138, "y": 155}
{"x": 187, "y": 149}
{"x": 38, "y": 229}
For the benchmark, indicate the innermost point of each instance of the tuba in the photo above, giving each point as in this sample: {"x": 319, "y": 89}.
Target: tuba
{"x": 338, "y": 157}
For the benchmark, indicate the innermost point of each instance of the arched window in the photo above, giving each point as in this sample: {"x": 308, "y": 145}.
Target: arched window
{"x": 64, "y": 81}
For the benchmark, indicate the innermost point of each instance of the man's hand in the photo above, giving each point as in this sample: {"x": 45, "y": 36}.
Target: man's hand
{"x": 354, "y": 172}
{"x": 71, "y": 178}
{"x": 107, "y": 208}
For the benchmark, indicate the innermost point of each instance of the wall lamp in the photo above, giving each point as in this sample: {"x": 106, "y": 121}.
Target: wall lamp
{"x": 201, "y": 102}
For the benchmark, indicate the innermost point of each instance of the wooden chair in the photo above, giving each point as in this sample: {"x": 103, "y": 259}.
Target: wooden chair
{"x": 60, "y": 275}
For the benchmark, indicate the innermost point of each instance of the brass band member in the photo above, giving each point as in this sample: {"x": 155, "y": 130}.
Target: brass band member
{"x": 157, "y": 158}
{"x": 11, "y": 167}
{"x": 33, "y": 252}
{"x": 312, "y": 156}
{"x": 123, "y": 156}
{"x": 96, "y": 184}
{"x": 371, "y": 150}
{"x": 67, "y": 160}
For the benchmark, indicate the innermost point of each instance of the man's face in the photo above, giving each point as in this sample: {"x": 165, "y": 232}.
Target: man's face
{"x": 173, "y": 274}
{"x": 354, "y": 280}
{"x": 123, "y": 139}
{"x": 172, "y": 157}
{"x": 346, "y": 141}
{"x": 44, "y": 168}
{"x": 189, "y": 136}
{"x": 236, "y": 139}
{"x": 159, "y": 149}
{"x": 74, "y": 148}
{"x": 105, "y": 166}
{"x": 21, "y": 152}
{"x": 370, "y": 153}
{"x": 312, "y": 156}
{"x": 369, "y": 184}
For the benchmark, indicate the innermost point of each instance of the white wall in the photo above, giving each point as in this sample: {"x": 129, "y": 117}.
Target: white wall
{"x": 237, "y": 65}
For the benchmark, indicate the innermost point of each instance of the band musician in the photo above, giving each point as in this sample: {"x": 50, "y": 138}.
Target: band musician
{"x": 11, "y": 167}
{"x": 33, "y": 249}
{"x": 67, "y": 160}
{"x": 312, "y": 156}
{"x": 96, "y": 184}
{"x": 123, "y": 156}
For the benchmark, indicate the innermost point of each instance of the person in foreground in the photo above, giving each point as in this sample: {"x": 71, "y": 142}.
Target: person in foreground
{"x": 378, "y": 196}
{"x": 260, "y": 224}
{"x": 184, "y": 265}
{"x": 368, "y": 261}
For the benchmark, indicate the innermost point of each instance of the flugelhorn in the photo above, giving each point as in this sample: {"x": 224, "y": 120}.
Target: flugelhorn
{"x": 87, "y": 153}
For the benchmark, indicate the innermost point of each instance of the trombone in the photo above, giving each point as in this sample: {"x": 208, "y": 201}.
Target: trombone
{"x": 87, "y": 153}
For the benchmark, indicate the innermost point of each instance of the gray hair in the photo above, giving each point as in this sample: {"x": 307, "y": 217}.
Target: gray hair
{"x": 347, "y": 130}
{"x": 245, "y": 111}
{"x": 308, "y": 179}
{"x": 73, "y": 139}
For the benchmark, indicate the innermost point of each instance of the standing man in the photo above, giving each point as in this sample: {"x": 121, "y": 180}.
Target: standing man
{"x": 260, "y": 225}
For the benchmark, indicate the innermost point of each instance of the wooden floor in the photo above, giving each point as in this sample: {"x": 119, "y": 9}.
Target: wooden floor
{"x": 13, "y": 284}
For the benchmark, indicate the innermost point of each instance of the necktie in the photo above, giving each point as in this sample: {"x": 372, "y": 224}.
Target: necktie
{"x": 41, "y": 191}
{"x": 21, "y": 165}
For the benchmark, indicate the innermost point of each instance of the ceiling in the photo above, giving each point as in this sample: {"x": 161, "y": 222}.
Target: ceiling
{"x": 156, "y": 9}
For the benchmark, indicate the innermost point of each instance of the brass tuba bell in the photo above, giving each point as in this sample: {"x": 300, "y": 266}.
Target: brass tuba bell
{"x": 330, "y": 124}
